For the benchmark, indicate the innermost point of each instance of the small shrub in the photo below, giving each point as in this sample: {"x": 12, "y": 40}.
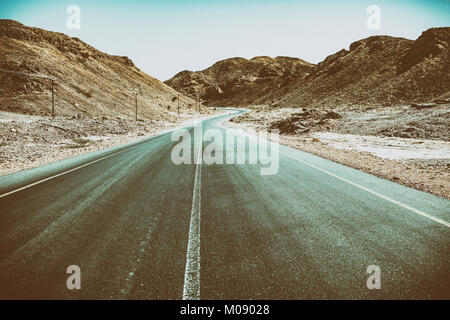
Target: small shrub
{"x": 79, "y": 143}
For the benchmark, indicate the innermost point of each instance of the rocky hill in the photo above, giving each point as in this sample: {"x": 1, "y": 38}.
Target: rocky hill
{"x": 379, "y": 70}
{"x": 376, "y": 71}
{"x": 88, "y": 83}
{"x": 238, "y": 81}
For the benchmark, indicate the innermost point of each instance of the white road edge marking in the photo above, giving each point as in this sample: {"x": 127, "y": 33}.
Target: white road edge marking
{"x": 426, "y": 215}
{"x": 60, "y": 174}
{"x": 191, "y": 288}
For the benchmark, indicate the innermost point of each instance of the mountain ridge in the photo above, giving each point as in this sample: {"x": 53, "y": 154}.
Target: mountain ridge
{"x": 88, "y": 82}
{"x": 378, "y": 70}
{"x": 231, "y": 81}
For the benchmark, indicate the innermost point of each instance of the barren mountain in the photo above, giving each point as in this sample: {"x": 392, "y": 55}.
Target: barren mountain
{"x": 238, "y": 81}
{"x": 88, "y": 82}
{"x": 379, "y": 70}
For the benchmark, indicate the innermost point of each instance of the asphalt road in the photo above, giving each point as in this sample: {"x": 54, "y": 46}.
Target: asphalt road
{"x": 141, "y": 227}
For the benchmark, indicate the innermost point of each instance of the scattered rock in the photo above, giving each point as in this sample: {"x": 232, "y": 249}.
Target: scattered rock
{"x": 423, "y": 105}
{"x": 306, "y": 121}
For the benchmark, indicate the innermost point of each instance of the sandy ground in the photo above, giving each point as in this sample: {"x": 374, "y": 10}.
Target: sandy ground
{"x": 31, "y": 141}
{"x": 420, "y": 164}
{"x": 393, "y": 148}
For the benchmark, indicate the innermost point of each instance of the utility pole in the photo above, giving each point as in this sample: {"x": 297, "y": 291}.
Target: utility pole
{"x": 53, "y": 99}
{"x": 178, "y": 104}
{"x": 136, "y": 105}
{"x": 196, "y": 101}
{"x": 136, "y": 91}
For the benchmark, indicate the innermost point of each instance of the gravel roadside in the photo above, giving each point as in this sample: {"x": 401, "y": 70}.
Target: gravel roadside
{"x": 31, "y": 141}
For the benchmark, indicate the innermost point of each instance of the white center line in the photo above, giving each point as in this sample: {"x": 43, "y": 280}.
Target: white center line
{"x": 191, "y": 288}
{"x": 426, "y": 215}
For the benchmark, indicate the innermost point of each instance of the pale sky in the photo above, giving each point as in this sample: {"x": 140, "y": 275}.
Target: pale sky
{"x": 165, "y": 37}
